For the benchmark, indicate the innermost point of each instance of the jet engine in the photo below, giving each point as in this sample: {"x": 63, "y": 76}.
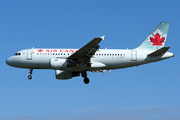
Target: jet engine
{"x": 61, "y": 64}
{"x": 63, "y": 75}
{"x": 58, "y": 64}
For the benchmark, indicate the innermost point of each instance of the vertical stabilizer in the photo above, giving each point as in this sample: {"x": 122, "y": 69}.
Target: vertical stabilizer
{"x": 157, "y": 38}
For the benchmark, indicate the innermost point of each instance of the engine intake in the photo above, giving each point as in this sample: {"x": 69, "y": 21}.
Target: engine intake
{"x": 61, "y": 64}
{"x": 58, "y": 64}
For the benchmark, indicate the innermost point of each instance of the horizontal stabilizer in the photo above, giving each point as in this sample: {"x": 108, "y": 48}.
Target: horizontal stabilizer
{"x": 159, "y": 52}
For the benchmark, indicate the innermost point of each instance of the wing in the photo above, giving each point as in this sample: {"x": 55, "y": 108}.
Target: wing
{"x": 83, "y": 55}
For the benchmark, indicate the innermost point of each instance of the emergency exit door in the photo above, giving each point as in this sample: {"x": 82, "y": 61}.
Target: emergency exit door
{"x": 133, "y": 55}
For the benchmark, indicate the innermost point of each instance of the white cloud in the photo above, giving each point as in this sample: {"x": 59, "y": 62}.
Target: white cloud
{"x": 151, "y": 113}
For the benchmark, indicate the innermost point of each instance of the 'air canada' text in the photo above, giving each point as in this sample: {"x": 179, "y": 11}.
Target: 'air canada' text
{"x": 57, "y": 50}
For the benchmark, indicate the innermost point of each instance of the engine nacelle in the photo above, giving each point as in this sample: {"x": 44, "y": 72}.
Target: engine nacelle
{"x": 97, "y": 65}
{"x": 58, "y": 64}
{"x": 61, "y": 64}
{"x": 63, "y": 75}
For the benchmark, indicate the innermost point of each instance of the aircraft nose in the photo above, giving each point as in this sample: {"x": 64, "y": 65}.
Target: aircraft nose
{"x": 9, "y": 61}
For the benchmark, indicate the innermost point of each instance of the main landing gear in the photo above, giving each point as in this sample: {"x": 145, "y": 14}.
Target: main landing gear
{"x": 30, "y": 76}
{"x": 84, "y": 75}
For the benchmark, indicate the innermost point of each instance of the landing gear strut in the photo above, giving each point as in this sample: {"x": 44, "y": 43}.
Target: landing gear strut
{"x": 29, "y": 76}
{"x": 84, "y": 75}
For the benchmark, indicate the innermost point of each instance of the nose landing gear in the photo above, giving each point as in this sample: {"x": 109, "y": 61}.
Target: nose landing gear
{"x": 30, "y": 76}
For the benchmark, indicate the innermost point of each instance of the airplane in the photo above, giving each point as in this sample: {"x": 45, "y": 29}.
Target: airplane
{"x": 69, "y": 63}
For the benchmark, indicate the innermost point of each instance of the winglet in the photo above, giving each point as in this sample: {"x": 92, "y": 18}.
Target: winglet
{"x": 103, "y": 37}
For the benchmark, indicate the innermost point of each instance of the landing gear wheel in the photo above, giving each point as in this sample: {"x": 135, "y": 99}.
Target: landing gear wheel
{"x": 86, "y": 80}
{"x": 30, "y": 71}
{"x": 84, "y": 75}
{"x": 29, "y": 77}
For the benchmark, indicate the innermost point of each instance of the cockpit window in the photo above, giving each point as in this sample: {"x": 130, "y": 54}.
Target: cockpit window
{"x": 17, "y": 54}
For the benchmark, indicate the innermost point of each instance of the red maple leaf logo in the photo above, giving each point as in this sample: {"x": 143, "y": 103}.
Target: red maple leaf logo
{"x": 40, "y": 50}
{"x": 157, "y": 40}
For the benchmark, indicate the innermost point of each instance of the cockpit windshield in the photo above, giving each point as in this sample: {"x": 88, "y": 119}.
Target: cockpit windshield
{"x": 17, "y": 54}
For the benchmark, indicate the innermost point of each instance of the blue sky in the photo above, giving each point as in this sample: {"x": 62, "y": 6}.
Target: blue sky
{"x": 147, "y": 92}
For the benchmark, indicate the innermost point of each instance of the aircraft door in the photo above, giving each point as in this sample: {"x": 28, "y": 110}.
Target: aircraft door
{"x": 133, "y": 55}
{"x": 29, "y": 54}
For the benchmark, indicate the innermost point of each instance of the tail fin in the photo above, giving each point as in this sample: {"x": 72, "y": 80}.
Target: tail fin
{"x": 157, "y": 38}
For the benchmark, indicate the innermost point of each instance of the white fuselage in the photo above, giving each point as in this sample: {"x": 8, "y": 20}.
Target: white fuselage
{"x": 103, "y": 59}
{"x": 69, "y": 63}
